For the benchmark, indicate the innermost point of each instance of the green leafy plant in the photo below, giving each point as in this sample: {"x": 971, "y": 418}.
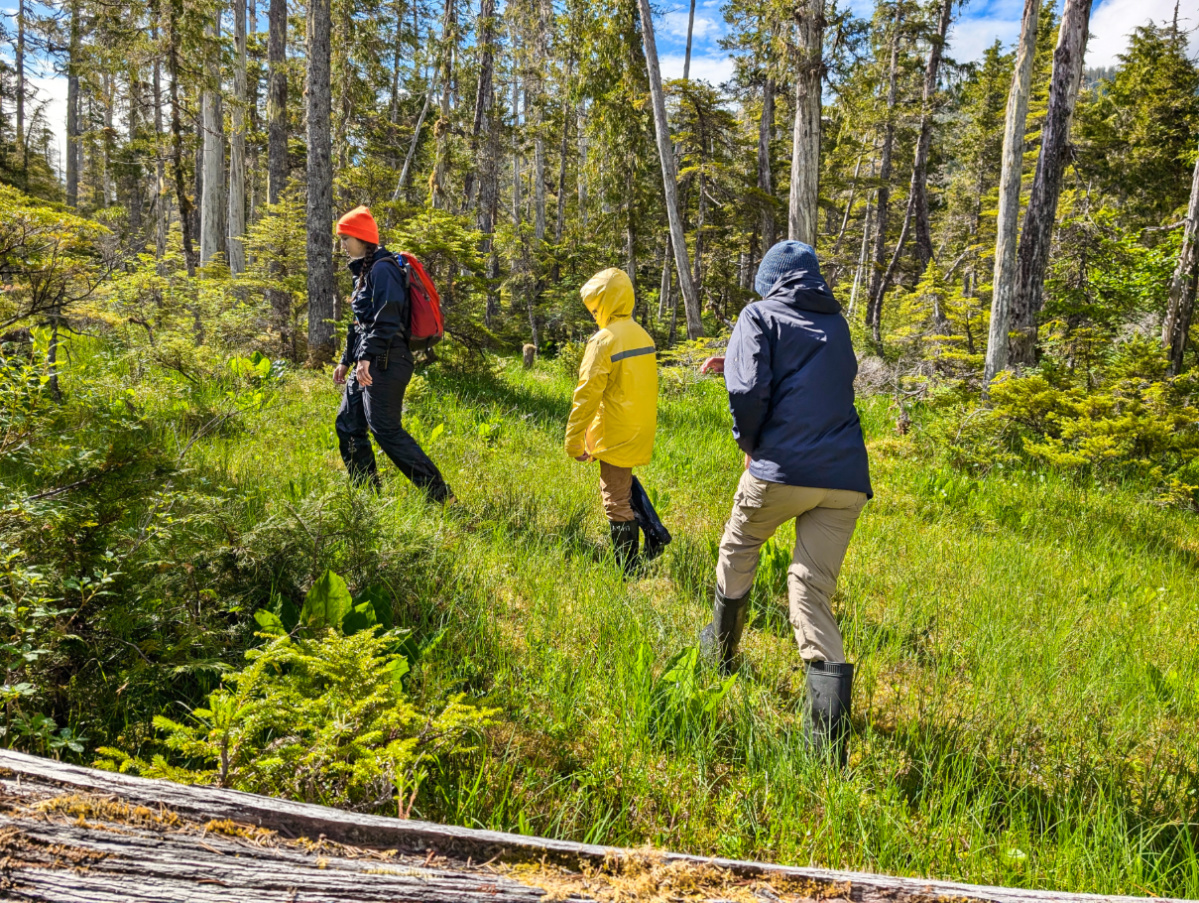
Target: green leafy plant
{"x": 682, "y": 700}
{"x": 321, "y": 719}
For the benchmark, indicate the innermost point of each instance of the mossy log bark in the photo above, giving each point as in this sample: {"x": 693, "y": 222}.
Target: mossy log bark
{"x": 77, "y": 834}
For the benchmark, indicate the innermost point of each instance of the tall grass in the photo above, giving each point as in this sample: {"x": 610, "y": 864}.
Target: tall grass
{"x": 1028, "y": 674}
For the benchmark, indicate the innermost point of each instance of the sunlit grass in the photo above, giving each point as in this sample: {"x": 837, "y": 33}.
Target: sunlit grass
{"x": 1028, "y": 681}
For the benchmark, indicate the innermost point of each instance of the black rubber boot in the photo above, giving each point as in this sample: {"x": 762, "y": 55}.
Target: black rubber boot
{"x": 626, "y": 539}
{"x": 719, "y": 640}
{"x": 827, "y": 710}
{"x": 657, "y": 537}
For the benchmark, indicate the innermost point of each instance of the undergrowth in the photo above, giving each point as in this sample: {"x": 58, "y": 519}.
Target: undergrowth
{"x": 1025, "y": 630}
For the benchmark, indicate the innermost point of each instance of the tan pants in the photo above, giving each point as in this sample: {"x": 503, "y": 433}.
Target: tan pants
{"x": 616, "y": 486}
{"x": 824, "y": 523}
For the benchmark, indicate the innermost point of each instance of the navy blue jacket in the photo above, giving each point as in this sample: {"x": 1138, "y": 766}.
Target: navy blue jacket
{"x": 789, "y": 369}
{"x": 380, "y": 305}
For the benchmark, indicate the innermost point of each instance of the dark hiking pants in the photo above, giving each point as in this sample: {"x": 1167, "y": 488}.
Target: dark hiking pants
{"x": 376, "y": 410}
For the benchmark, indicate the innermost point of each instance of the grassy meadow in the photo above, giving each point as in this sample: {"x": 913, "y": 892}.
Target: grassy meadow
{"x": 1028, "y": 673}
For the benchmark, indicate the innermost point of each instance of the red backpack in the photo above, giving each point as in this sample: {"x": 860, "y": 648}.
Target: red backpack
{"x": 426, "y": 327}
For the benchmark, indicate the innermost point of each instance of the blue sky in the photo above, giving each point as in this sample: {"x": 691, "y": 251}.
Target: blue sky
{"x": 975, "y": 28}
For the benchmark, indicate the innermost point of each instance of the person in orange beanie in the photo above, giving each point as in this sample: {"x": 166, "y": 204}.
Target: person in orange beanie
{"x": 376, "y": 365}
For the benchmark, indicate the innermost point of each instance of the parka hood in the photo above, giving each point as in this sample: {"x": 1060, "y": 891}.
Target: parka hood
{"x": 804, "y": 290}
{"x": 608, "y": 296}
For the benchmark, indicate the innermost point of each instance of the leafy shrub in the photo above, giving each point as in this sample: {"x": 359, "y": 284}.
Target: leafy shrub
{"x": 319, "y": 714}
{"x": 1118, "y": 420}
{"x": 682, "y": 700}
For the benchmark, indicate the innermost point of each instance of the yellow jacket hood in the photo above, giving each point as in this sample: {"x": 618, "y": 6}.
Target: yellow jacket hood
{"x": 615, "y": 408}
{"x": 609, "y": 296}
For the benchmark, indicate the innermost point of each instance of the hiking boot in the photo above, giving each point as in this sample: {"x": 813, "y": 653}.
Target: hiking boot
{"x": 719, "y": 640}
{"x": 827, "y": 710}
{"x": 657, "y": 537}
{"x": 626, "y": 540}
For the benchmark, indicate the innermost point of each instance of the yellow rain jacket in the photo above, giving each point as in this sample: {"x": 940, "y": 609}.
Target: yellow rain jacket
{"x": 615, "y": 410}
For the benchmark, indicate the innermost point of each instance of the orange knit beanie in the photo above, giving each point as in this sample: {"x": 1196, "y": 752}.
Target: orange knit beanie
{"x": 360, "y": 224}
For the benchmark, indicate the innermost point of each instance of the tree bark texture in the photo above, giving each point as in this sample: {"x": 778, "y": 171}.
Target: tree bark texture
{"x": 874, "y": 304}
{"x": 321, "y": 287}
{"x": 183, "y": 202}
{"x": 1032, "y": 259}
{"x": 20, "y": 73}
{"x": 276, "y": 100}
{"x": 1182, "y": 286}
{"x": 73, "y": 109}
{"x": 420, "y": 121}
{"x": 484, "y": 99}
{"x": 765, "y": 175}
{"x": 687, "y": 54}
{"x": 695, "y": 326}
{"x": 160, "y": 186}
{"x": 803, "y": 210}
{"x": 919, "y": 187}
{"x": 82, "y": 835}
{"x": 237, "y": 144}
{"x": 212, "y": 202}
{"x": 1003, "y": 288}
{"x": 441, "y": 130}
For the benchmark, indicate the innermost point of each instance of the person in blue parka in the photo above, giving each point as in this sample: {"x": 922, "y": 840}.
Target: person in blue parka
{"x": 789, "y": 370}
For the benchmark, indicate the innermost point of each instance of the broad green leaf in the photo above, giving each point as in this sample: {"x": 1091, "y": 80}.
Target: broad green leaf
{"x": 327, "y": 603}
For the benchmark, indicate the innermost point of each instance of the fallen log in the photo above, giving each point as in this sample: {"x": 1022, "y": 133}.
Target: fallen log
{"x": 76, "y": 834}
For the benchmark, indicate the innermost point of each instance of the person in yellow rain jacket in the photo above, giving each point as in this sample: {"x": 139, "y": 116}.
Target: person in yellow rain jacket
{"x": 615, "y": 414}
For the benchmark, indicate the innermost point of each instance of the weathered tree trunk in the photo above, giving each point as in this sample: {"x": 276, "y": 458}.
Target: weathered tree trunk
{"x": 441, "y": 130}
{"x": 630, "y": 233}
{"x": 73, "y": 109}
{"x": 874, "y": 305}
{"x": 802, "y": 224}
{"x": 420, "y": 121}
{"x": 1003, "y": 289}
{"x": 484, "y": 96}
{"x": 664, "y": 289}
{"x": 690, "y": 29}
{"x": 1182, "y": 286}
{"x": 834, "y": 272}
{"x": 1033, "y": 256}
{"x": 321, "y": 288}
{"x": 20, "y": 67}
{"x": 517, "y": 203}
{"x": 237, "y": 144}
{"x": 182, "y": 200}
{"x": 133, "y": 177}
{"x": 859, "y": 274}
{"x": 919, "y": 188}
{"x": 160, "y": 186}
{"x": 582, "y": 176}
{"x": 695, "y": 325}
{"x": 276, "y": 93}
{"x": 212, "y": 202}
{"x": 765, "y": 175}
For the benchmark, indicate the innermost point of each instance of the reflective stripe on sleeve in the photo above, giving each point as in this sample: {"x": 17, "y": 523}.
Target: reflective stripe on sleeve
{"x": 632, "y": 352}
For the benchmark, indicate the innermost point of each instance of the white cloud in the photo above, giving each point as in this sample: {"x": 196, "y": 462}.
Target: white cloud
{"x": 713, "y": 69}
{"x": 676, "y": 26}
{"x": 969, "y": 38}
{"x": 52, "y": 92}
{"x": 1114, "y": 20}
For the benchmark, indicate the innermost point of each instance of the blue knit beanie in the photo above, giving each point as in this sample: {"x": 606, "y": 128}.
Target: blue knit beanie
{"x": 785, "y": 257}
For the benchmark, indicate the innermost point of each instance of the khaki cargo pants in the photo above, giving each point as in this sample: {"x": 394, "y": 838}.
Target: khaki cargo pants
{"x": 824, "y": 523}
{"x": 616, "y": 488}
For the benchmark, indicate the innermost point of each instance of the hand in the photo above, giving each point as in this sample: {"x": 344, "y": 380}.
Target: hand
{"x": 364, "y": 373}
{"x": 748, "y": 461}
{"x": 339, "y": 374}
{"x": 713, "y": 365}
{"x": 583, "y": 458}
